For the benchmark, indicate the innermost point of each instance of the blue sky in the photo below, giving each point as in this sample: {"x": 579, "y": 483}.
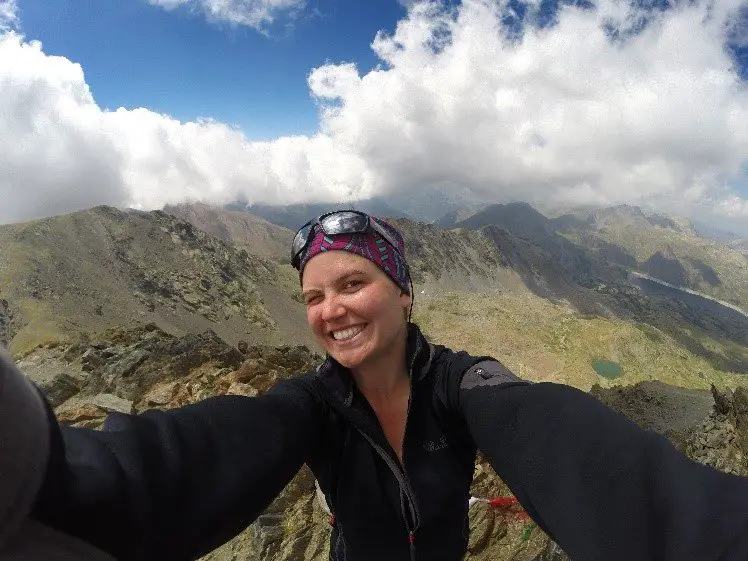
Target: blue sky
{"x": 176, "y": 62}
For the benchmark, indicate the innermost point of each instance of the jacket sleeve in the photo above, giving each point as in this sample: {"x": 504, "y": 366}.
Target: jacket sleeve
{"x": 173, "y": 485}
{"x": 599, "y": 485}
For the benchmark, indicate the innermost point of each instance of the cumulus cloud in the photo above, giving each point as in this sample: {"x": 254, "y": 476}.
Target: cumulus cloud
{"x": 251, "y": 13}
{"x": 605, "y": 106}
{"x": 55, "y": 153}
{"x": 59, "y": 151}
{"x": 8, "y": 15}
{"x": 570, "y": 114}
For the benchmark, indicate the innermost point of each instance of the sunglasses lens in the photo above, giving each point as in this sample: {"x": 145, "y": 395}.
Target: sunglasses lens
{"x": 341, "y": 222}
{"x": 345, "y": 223}
{"x": 300, "y": 241}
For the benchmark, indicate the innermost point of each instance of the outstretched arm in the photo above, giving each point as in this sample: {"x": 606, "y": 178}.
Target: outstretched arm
{"x": 174, "y": 485}
{"x": 602, "y": 487}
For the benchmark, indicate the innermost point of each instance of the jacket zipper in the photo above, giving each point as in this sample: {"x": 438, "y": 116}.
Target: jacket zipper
{"x": 413, "y": 508}
{"x": 405, "y": 487}
{"x": 399, "y": 471}
{"x": 405, "y": 437}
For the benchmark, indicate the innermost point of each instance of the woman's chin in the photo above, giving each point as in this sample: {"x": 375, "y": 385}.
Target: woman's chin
{"x": 348, "y": 360}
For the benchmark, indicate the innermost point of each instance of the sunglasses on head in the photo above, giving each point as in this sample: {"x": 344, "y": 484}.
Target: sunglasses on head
{"x": 338, "y": 222}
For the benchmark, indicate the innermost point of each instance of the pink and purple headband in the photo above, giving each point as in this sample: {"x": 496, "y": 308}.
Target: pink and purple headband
{"x": 369, "y": 245}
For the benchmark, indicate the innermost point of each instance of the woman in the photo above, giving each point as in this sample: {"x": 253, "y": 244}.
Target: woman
{"x": 389, "y": 424}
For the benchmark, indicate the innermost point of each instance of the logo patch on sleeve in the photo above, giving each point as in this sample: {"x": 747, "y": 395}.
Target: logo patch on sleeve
{"x": 488, "y": 373}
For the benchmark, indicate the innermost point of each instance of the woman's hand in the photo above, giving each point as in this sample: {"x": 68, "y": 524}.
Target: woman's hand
{"x": 24, "y": 446}
{"x": 598, "y": 484}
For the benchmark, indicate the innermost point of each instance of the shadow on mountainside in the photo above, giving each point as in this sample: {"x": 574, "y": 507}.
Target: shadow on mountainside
{"x": 556, "y": 269}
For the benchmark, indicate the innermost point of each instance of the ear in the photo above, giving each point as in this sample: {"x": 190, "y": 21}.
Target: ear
{"x": 405, "y": 300}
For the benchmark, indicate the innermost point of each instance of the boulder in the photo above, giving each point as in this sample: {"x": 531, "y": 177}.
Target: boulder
{"x": 56, "y": 377}
{"x": 266, "y": 530}
{"x": 61, "y": 387}
{"x": 161, "y": 394}
{"x": 249, "y": 369}
{"x": 237, "y": 388}
{"x": 112, "y": 403}
{"x": 84, "y": 415}
{"x": 127, "y": 364}
{"x": 485, "y": 527}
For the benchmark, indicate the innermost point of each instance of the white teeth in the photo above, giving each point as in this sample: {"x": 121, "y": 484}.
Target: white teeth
{"x": 346, "y": 333}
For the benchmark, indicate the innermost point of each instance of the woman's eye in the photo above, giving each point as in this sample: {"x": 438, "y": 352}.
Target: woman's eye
{"x": 351, "y": 285}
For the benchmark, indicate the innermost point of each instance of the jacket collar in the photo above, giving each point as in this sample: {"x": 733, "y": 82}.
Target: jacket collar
{"x": 338, "y": 380}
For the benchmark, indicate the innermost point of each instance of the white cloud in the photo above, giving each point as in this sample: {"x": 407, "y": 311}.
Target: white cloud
{"x": 59, "y": 151}
{"x": 55, "y": 153}
{"x": 8, "y": 15}
{"x": 251, "y": 13}
{"x": 562, "y": 117}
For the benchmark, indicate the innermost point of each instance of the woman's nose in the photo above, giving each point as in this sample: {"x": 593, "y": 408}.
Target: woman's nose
{"x": 332, "y": 308}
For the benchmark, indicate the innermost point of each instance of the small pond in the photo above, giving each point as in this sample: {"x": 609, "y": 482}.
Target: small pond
{"x": 607, "y": 368}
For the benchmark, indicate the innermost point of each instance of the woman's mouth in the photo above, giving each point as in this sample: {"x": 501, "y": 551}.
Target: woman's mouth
{"x": 347, "y": 333}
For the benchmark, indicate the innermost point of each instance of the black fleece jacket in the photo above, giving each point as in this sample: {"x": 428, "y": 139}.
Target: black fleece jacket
{"x": 171, "y": 486}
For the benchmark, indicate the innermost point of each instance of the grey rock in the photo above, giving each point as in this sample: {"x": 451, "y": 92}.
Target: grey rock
{"x": 238, "y": 388}
{"x": 722, "y": 401}
{"x": 91, "y": 359}
{"x": 5, "y": 323}
{"x": 714, "y": 439}
{"x": 111, "y": 403}
{"x": 552, "y": 552}
{"x": 126, "y": 366}
{"x": 55, "y": 376}
{"x": 192, "y": 299}
{"x": 61, "y": 387}
{"x": 161, "y": 395}
{"x": 268, "y": 528}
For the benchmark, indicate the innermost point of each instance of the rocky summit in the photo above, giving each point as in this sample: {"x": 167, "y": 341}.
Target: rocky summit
{"x": 134, "y": 369}
{"x": 124, "y": 311}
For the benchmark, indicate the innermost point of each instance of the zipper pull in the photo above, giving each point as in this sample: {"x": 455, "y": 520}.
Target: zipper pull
{"x": 412, "y": 540}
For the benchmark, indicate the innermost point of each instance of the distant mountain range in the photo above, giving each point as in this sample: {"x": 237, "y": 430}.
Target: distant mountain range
{"x": 294, "y": 216}
{"x": 422, "y": 205}
{"x": 193, "y": 267}
{"x": 664, "y": 247}
{"x": 668, "y": 248}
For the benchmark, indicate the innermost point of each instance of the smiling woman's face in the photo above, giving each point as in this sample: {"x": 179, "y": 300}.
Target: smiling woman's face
{"x": 355, "y": 311}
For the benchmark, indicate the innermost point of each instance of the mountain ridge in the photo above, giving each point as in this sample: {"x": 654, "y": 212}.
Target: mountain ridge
{"x": 93, "y": 269}
{"x": 241, "y": 228}
{"x": 155, "y": 267}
